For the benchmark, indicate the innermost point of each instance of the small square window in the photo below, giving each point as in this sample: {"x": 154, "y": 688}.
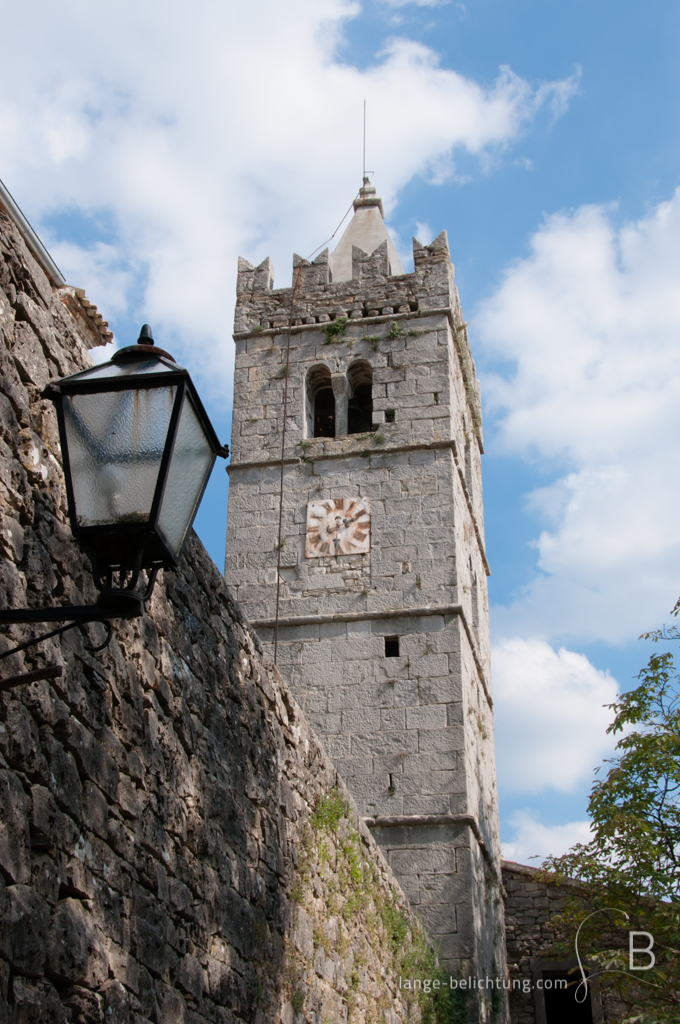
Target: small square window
{"x": 389, "y": 415}
{"x": 391, "y": 646}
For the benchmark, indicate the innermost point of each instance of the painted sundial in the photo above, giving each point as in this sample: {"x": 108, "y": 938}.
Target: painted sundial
{"x": 338, "y": 526}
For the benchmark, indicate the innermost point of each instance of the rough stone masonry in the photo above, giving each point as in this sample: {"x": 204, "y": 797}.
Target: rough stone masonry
{"x": 159, "y": 857}
{"x": 385, "y": 645}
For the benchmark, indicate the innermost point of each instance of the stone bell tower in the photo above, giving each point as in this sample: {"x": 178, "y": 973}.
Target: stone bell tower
{"x": 383, "y": 617}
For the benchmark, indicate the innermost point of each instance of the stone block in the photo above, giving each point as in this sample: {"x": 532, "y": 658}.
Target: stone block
{"x": 24, "y": 931}
{"x": 360, "y": 721}
{"x": 392, "y": 719}
{"x": 171, "y": 1003}
{"x": 430, "y": 666}
{"x": 29, "y": 357}
{"x": 20, "y": 741}
{"x": 423, "y": 860}
{"x": 444, "y": 689}
{"x": 439, "y": 919}
{"x": 345, "y": 697}
{"x": 303, "y": 933}
{"x": 440, "y": 740}
{"x": 367, "y": 744}
{"x": 95, "y": 809}
{"x": 351, "y": 766}
{"x": 326, "y": 723}
{"x": 443, "y": 889}
{"x": 14, "y": 829}
{"x": 38, "y": 1003}
{"x": 149, "y": 933}
{"x": 63, "y": 780}
{"x": 428, "y": 717}
{"x": 190, "y": 976}
{"x": 46, "y": 818}
{"x": 422, "y": 804}
{"x": 76, "y": 948}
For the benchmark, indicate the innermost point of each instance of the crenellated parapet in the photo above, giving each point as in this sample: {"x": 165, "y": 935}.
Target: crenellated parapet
{"x": 254, "y": 279}
{"x": 372, "y": 290}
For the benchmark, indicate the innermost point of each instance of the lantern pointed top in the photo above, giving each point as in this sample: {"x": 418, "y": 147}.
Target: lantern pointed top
{"x": 145, "y": 335}
{"x": 145, "y": 347}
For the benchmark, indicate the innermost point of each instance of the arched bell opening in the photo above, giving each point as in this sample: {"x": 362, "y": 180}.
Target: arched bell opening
{"x": 320, "y": 403}
{"x": 360, "y": 404}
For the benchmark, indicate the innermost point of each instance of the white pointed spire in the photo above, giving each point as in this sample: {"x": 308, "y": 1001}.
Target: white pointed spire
{"x": 366, "y": 230}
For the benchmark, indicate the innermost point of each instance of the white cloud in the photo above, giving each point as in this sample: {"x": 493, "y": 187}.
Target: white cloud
{"x": 424, "y": 232}
{"x": 209, "y": 129}
{"x": 416, "y": 3}
{"x": 109, "y": 282}
{"x": 550, "y": 720}
{"x": 591, "y": 322}
{"x": 534, "y": 841}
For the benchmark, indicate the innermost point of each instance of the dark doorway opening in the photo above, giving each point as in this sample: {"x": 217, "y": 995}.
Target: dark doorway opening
{"x": 324, "y": 413}
{"x": 559, "y": 995}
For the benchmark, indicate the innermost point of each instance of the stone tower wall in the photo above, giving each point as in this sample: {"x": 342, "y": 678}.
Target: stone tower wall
{"x": 413, "y": 735}
{"x": 159, "y": 860}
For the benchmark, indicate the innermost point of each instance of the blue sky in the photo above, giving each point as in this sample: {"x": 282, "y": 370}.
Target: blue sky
{"x": 193, "y": 133}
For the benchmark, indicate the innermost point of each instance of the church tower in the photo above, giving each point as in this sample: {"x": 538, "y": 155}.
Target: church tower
{"x": 382, "y": 623}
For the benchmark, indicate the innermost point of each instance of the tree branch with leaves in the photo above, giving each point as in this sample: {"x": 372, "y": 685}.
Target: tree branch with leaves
{"x": 630, "y": 870}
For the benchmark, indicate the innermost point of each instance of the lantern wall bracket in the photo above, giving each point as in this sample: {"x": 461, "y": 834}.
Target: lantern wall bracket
{"x": 113, "y": 603}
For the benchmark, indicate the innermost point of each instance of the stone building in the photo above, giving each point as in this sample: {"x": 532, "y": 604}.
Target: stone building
{"x": 544, "y": 983}
{"x": 380, "y": 615}
{"x": 165, "y": 857}
{"x": 166, "y": 848}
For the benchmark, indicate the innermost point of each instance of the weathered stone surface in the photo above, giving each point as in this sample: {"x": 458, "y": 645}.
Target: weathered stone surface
{"x": 36, "y": 1003}
{"x": 155, "y": 799}
{"x": 411, "y": 730}
{"x": 14, "y": 829}
{"x": 76, "y": 951}
{"x": 24, "y": 931}
{"x": 536, "y": 940}
{"x": 45, "y": 818}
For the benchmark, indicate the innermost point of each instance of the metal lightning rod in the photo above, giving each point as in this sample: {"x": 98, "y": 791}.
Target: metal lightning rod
{"x": 364, "y": 174}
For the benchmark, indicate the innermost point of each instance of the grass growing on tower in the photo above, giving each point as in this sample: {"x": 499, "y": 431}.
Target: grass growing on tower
{"x": 358, "y": 895}
{"x": 335, "y": 331}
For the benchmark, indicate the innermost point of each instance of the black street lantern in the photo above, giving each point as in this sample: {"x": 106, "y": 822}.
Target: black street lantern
{"x": 138, "y": 449}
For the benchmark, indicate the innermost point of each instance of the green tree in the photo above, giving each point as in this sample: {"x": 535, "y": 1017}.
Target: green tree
{"x": 630, "y": 870}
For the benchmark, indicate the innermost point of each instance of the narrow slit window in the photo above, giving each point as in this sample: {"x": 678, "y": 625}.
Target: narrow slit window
{"x": 389, "y": 415}
{"x": 391, "y": 646}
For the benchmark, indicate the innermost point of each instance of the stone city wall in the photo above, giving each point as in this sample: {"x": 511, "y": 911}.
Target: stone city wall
{"x": 175, "y": 845}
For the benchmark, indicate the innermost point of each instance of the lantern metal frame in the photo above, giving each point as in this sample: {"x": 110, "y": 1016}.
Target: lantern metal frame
{"x": 122, "y": 549}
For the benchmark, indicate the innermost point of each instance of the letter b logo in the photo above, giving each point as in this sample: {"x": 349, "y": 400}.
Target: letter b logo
{"x": 633, "y": 950}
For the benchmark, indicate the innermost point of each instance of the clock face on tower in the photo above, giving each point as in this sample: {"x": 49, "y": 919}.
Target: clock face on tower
{"x": 338, "y": 526}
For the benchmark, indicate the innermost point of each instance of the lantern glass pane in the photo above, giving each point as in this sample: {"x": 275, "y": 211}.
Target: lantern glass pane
{"x": 190, "y": 466}
{"x": 115, "y": 446}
